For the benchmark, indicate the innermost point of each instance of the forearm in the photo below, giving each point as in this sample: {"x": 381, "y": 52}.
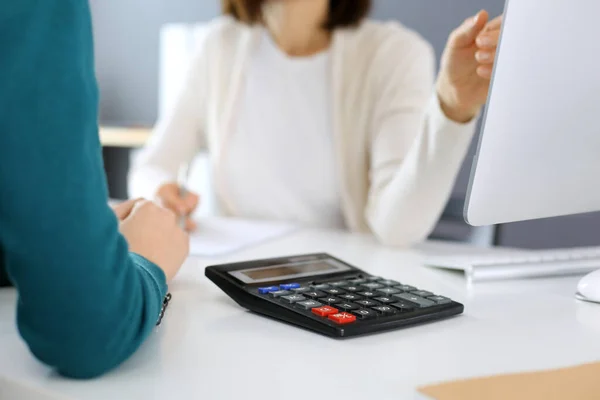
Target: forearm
{"x": 85, "y": 303}
{"x": 405, "y": 210}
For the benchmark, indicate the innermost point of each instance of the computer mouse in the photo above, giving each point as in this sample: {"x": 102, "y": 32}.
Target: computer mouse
{"x": 588, "y": 288}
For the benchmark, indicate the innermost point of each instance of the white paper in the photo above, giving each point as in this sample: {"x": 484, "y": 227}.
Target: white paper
{"x": 217, "y": 236}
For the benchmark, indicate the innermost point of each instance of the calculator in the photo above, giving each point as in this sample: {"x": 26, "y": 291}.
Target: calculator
{"x": 323, "y": 294}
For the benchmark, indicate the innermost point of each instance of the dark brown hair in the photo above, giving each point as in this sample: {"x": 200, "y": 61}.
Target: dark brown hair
{"x": 342, "y": 13}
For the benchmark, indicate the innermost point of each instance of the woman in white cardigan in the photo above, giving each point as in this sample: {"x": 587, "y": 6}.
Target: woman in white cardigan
{"x": 313, "y": 115}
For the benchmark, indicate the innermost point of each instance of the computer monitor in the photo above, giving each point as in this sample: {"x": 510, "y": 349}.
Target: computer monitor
{"x": 539, "y": 150}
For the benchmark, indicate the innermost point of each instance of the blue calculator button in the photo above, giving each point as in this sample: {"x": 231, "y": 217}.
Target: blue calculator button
{"x": 266, "y": 290}
{"x": 289, "y": 286}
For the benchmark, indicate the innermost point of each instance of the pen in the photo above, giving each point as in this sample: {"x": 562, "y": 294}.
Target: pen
{"x": 181, "y": 183}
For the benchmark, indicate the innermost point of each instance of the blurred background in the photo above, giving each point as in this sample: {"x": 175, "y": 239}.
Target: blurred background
{"x": 127, "y": 35}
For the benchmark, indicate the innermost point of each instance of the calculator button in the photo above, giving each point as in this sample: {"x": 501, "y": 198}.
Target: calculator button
{"x": 406, "y": 288}
{"x": 389, "y": 282}
{"x": 315, "y": 294}
{"x": 388, "y": 291}
{"x": 324, "y": 311}
{"x": 321, "y": 286}
{"x": 267, "y": 290}
{"x": 372, "y": 285}
{"x": 342, "y": 318}
{"x": 350, "y": 288}
{"x": 301, "y": 290}
{"x": 334, "y": 291}
{"x": 385, "y": 310}
{"x": 357, "y": 281}
{"x": 418, "y": 301}
{"x": 440, "y": 299}
{"x": 385, "y": 300}
{"x": 367, "y": 303}
{"x": 339, "y": 283}
{"x": 422, "y": 293}
{"x": 350, "y": 297}
{"x": 330, "y": 300}
{"x": 365, "y": 314}
{"x": 309, "y": 304}
{"x": 280, "y": 293}
{"x": 294, "y": 298}
{"x": 373, "y": 278}
{"x": 289, "y": 286}
{"x": 347, "y": 306}
{"x": 368, "y": 294}
{"x": 403, "y": 306}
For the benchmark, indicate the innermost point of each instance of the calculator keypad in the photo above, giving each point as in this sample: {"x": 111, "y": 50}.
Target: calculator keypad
{"x": 289, "y": 286}
{"x": 385, "y": 310}
{"x": 367, "y": 303}
{"x": 301, "y": 290}
{"x": 309, "y": 304}
{"x": 342, "y": 318}
{"x": 422, "y": 293}
{"x": 339, "y": 283}
{"x": 412, "y": 298}
{"x": 334, "y": 291}
{"x": 325, "y": 311}
{"x": 386, "y": 291}
{"x": 330, "y": 300}
{"x": 350, "y": 297}
{"x": 440, "y": 299}
{"x": 294, "y": 298}
{"x": 352, "y": 288}
{"x": 372, "y": 285}
{"x": 322, "y": 286}
{"x": 266, "y": 290}
{"x": 280, "y": 293}
{"x": 347, "y": 306}
{"x": 357, "y": 299}
{"x": 403, "y": 306}
{"x": 385, "y": 300}
{"x": 368, "y": 294}
{"x": 314, "y": 294}
{"x": 365, "y": 314}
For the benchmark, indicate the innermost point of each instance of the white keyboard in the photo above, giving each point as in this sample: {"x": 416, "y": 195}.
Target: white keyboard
{"x": 522, "y": 263}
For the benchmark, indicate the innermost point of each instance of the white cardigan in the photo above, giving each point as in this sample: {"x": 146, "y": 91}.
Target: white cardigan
{"x": 397, "y": 154}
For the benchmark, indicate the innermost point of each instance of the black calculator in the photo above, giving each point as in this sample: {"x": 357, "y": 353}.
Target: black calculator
{"x": 328, "y": 296}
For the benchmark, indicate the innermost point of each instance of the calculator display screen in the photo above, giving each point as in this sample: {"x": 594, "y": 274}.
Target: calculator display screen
{"x": 291, "y": 270}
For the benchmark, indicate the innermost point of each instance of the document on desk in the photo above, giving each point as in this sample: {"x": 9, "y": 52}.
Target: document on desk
{"x": 217, "y": 236}
{"x": 580, "y": 382}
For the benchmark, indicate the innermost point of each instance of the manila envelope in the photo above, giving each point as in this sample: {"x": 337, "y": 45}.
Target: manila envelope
{"x": 575, "y": 383}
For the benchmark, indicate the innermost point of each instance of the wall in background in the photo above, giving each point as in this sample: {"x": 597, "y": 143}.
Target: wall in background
{"x": 127, "y": 36}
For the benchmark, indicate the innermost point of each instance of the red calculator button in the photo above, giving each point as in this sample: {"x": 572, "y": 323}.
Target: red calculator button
{"x": 325, "y": 311}
{"x": 342, "y": 318}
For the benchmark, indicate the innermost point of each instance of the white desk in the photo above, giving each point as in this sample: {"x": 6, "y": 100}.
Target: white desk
{"x": 210, "y": 348}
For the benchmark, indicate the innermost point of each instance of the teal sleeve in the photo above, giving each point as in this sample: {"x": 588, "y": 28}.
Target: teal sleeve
{"x": 85, "y": 303}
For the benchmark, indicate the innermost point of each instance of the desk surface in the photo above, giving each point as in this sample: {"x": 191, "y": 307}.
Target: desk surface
{"x": 124, "y": 137}
{"x": 210, "y": 348}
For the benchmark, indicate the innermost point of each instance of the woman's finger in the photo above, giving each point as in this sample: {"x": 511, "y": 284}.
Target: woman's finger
{"x": 464, "y": 35}
{"x": 485, "y": 57}
{"x": 488, "y": 40}
{"x": 485, "y": 71}
{"x": 122, "y": 210}
{"x": 174, "y": 202}
{"x": 495, "y": 24}
{"x": 190, "y": 225}
{"x": 191, "y": 201}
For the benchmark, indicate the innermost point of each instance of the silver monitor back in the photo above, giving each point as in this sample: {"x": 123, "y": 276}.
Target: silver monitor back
{"x": 539, "y": 151}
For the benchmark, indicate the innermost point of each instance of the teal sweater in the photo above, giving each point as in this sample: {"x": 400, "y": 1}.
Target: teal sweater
{"x": 85, "y": 303}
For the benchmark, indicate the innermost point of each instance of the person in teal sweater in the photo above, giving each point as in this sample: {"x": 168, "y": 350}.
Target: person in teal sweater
{"x": 91, "y": 280}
